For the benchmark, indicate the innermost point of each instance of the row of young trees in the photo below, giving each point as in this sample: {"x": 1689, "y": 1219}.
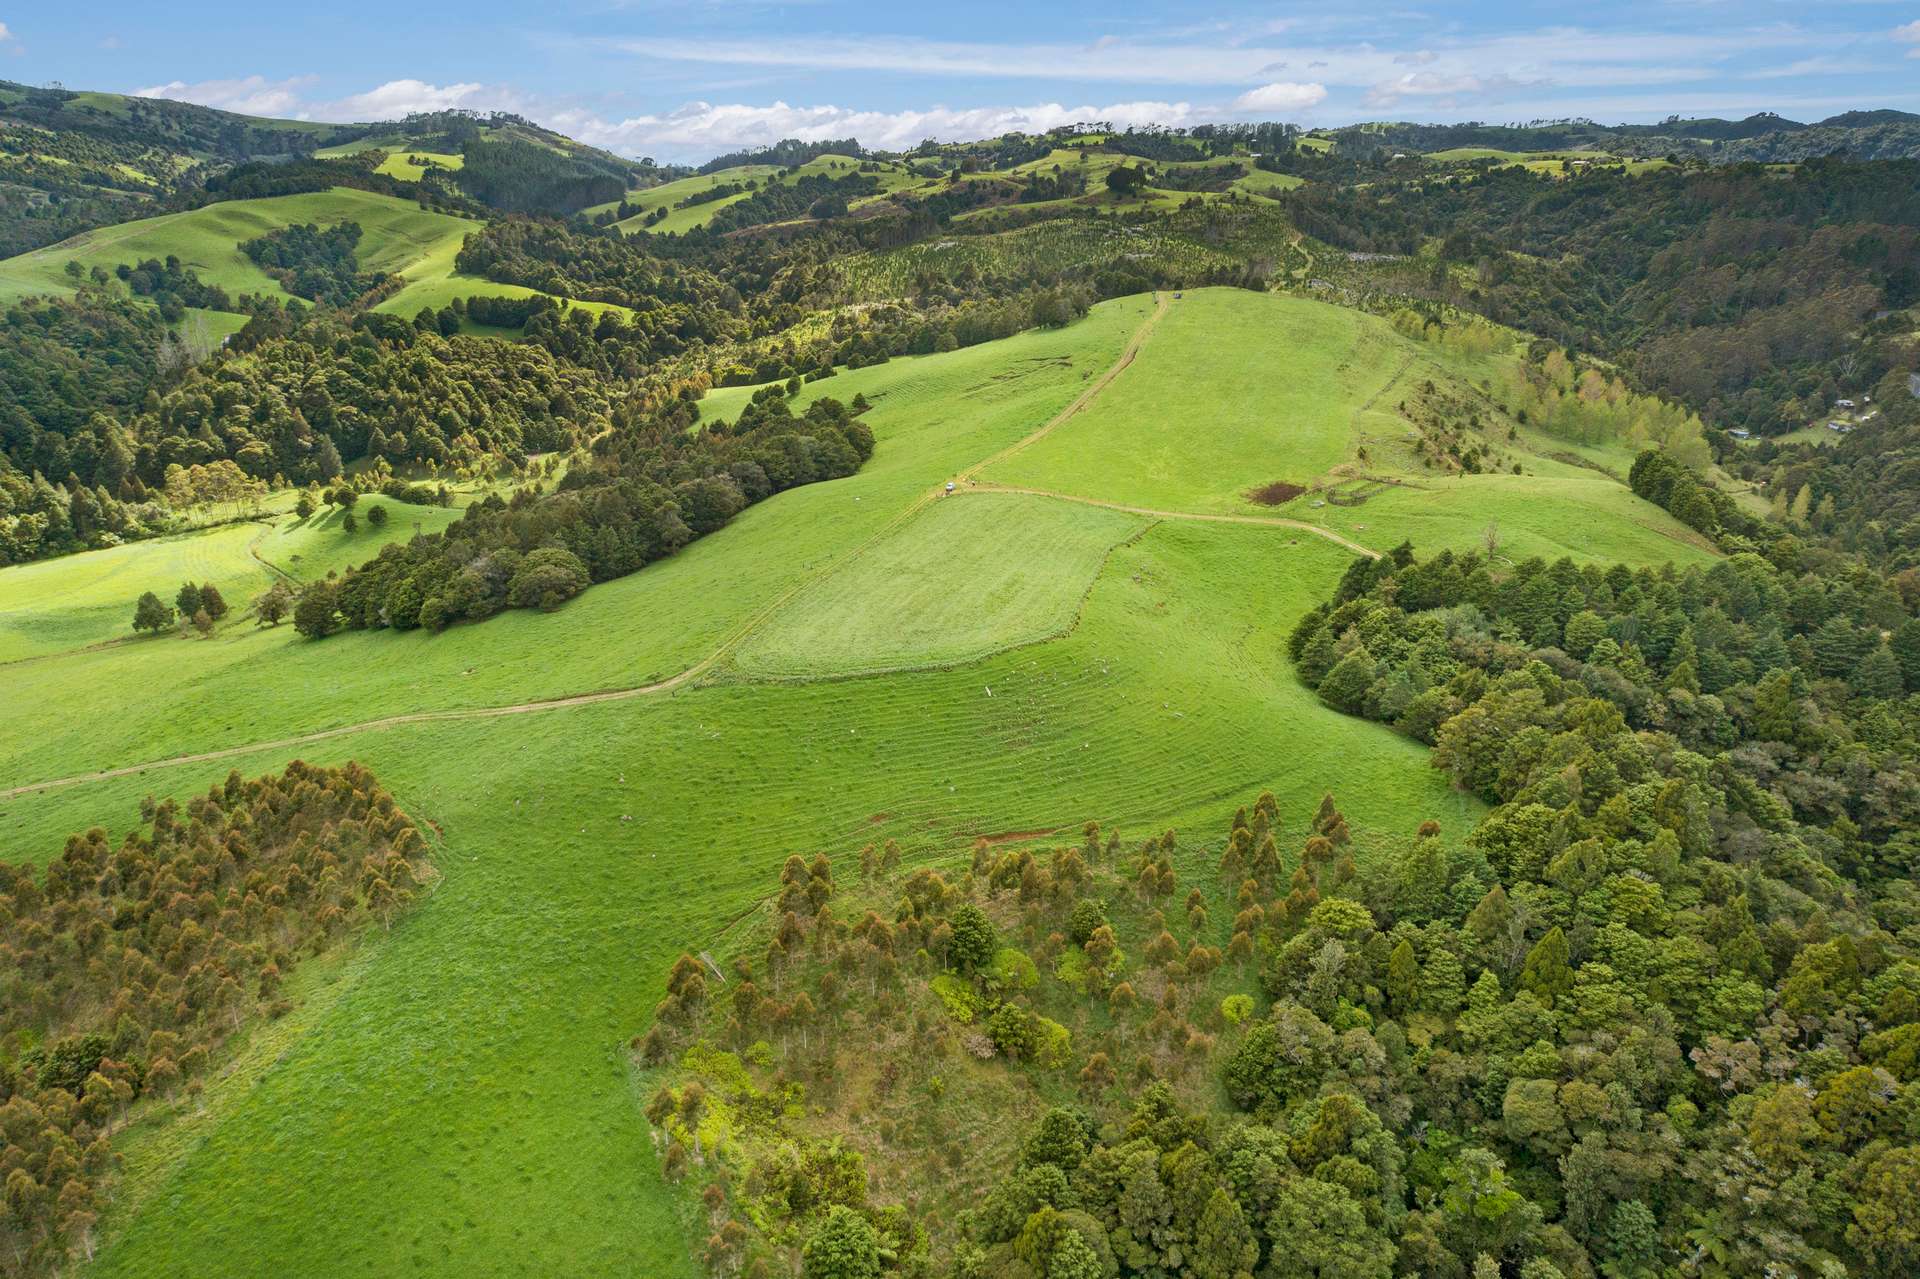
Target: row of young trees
{"x": 125, "y": 969}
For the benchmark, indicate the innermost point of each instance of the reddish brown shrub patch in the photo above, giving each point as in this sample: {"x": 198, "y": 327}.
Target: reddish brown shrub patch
{"x": 1277, "y": 493}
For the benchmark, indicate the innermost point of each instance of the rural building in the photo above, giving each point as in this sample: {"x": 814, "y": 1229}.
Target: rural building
{"x": 1845, "y": 404}
{"x": 1740, "y": 434}
{"x": 1841, "y": 427}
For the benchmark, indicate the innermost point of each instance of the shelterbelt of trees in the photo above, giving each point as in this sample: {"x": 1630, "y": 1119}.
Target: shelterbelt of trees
{"x": 124, "y": 970}
{"x": 647, "y": 491}
{"x": 1658, "y": 1012}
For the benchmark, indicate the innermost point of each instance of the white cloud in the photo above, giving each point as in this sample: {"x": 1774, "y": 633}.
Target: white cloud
{"x": 249, "y": 95}
{"x": 1443, "y": 88}
{"x": 706, "y": 128}
{"x": 257, "y": 95}
{"x": 1282, "y": 95}
{"x": 5, "y": 33}
{"x": 1909, "y": 34}
{"x": 398, "y": 98}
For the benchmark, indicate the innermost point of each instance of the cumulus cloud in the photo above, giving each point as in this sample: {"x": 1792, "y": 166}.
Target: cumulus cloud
{"x": 1282, "y": 95}
{"x": 249, "y": 95}
{"x": 706, "y": 128}
{"x": 289, "y": 98}
{"x": 398, "y": 98}
{"x": 1909, "y": 34}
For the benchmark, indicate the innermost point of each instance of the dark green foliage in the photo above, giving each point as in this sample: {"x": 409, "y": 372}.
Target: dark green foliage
{"x": 647, "y": 492}
{"x": 1741, "y": 293}
{"x": 519, "y": 176}
{"x": 814, "y": 195}
{"x": 974, "y": 939}
{"x": 319, "y": 265}
{"x": 62, "y": 362}
{"x": 788, "y": 153}
{"x": 152, "y": 614}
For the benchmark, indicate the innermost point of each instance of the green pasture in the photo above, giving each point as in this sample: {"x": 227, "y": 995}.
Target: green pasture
{"x": 399, "y": 237}
{"x": 52, "y": 606}
{"x": 977, "y": 573}
{"x": 455, "y": 1095}
{"x": 1235, "y": 389}
{"x": 401, "y": 163}
{"x": 932, "y": 416}
{"x": 892, "y": 177}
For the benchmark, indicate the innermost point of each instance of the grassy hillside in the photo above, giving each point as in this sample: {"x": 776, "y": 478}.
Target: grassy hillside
{"x": 1236, "y": 390}
{"x": 399, "y": 237}
{"x": 891, "y": 177}
{"x": 976, "y": 574}
{"x": 1082, "y": 663}
{"x": 53, "y": 606}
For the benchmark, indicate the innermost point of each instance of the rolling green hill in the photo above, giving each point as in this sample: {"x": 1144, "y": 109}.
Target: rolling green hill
{"x": 400, "y": 238}
{"x": 1050, "y": 660}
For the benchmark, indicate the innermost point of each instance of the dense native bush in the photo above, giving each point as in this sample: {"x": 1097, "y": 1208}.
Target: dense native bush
{"x": 1740, "y": 292}
{"x": 647, "y": 491}
{"x": 519, "y": 176}
{"x": 1657, "y": 1009}
{"x": 125, "y": 970}
{"x": 318, "y": 265}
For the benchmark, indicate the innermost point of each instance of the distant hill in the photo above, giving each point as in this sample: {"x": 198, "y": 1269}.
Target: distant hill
{"x": 73, "y": 161}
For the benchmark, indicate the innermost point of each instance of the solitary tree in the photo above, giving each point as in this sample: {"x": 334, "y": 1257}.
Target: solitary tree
{"x": 275, "y": 604}
{"x": 151, "y": 615}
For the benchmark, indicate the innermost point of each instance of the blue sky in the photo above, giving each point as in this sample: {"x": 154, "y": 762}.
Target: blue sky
{"x": 684, "y": 79}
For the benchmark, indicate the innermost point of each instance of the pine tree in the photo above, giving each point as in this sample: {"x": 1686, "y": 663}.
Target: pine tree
{"x": 1403, "y": 977}
{"x": 1546, "y": 971}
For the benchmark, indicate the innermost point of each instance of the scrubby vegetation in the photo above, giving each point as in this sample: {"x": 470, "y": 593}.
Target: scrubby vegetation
{"x": 128, "y": 969}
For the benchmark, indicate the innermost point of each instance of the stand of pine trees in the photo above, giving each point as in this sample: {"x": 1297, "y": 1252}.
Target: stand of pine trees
{"x": 123, "y": 970}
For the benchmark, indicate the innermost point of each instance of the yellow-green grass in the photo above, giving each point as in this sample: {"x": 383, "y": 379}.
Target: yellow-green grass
{"x": 891, "y": 177}
{"x": 977, "y": 573}
{"x": 1263, "y": 182}
{"x": 668, "y": 194}
{"x": 456, "y": 1097}
{"x": 401, "y": 164}
{"x": 52, "y": 606}
{"x": 1588, "y": 517}
{"x": 398, "y": 235}
{"x": 1235, "y": 390}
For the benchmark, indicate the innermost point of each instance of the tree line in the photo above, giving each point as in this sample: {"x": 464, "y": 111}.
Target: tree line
{"x": 645, "y": 492}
